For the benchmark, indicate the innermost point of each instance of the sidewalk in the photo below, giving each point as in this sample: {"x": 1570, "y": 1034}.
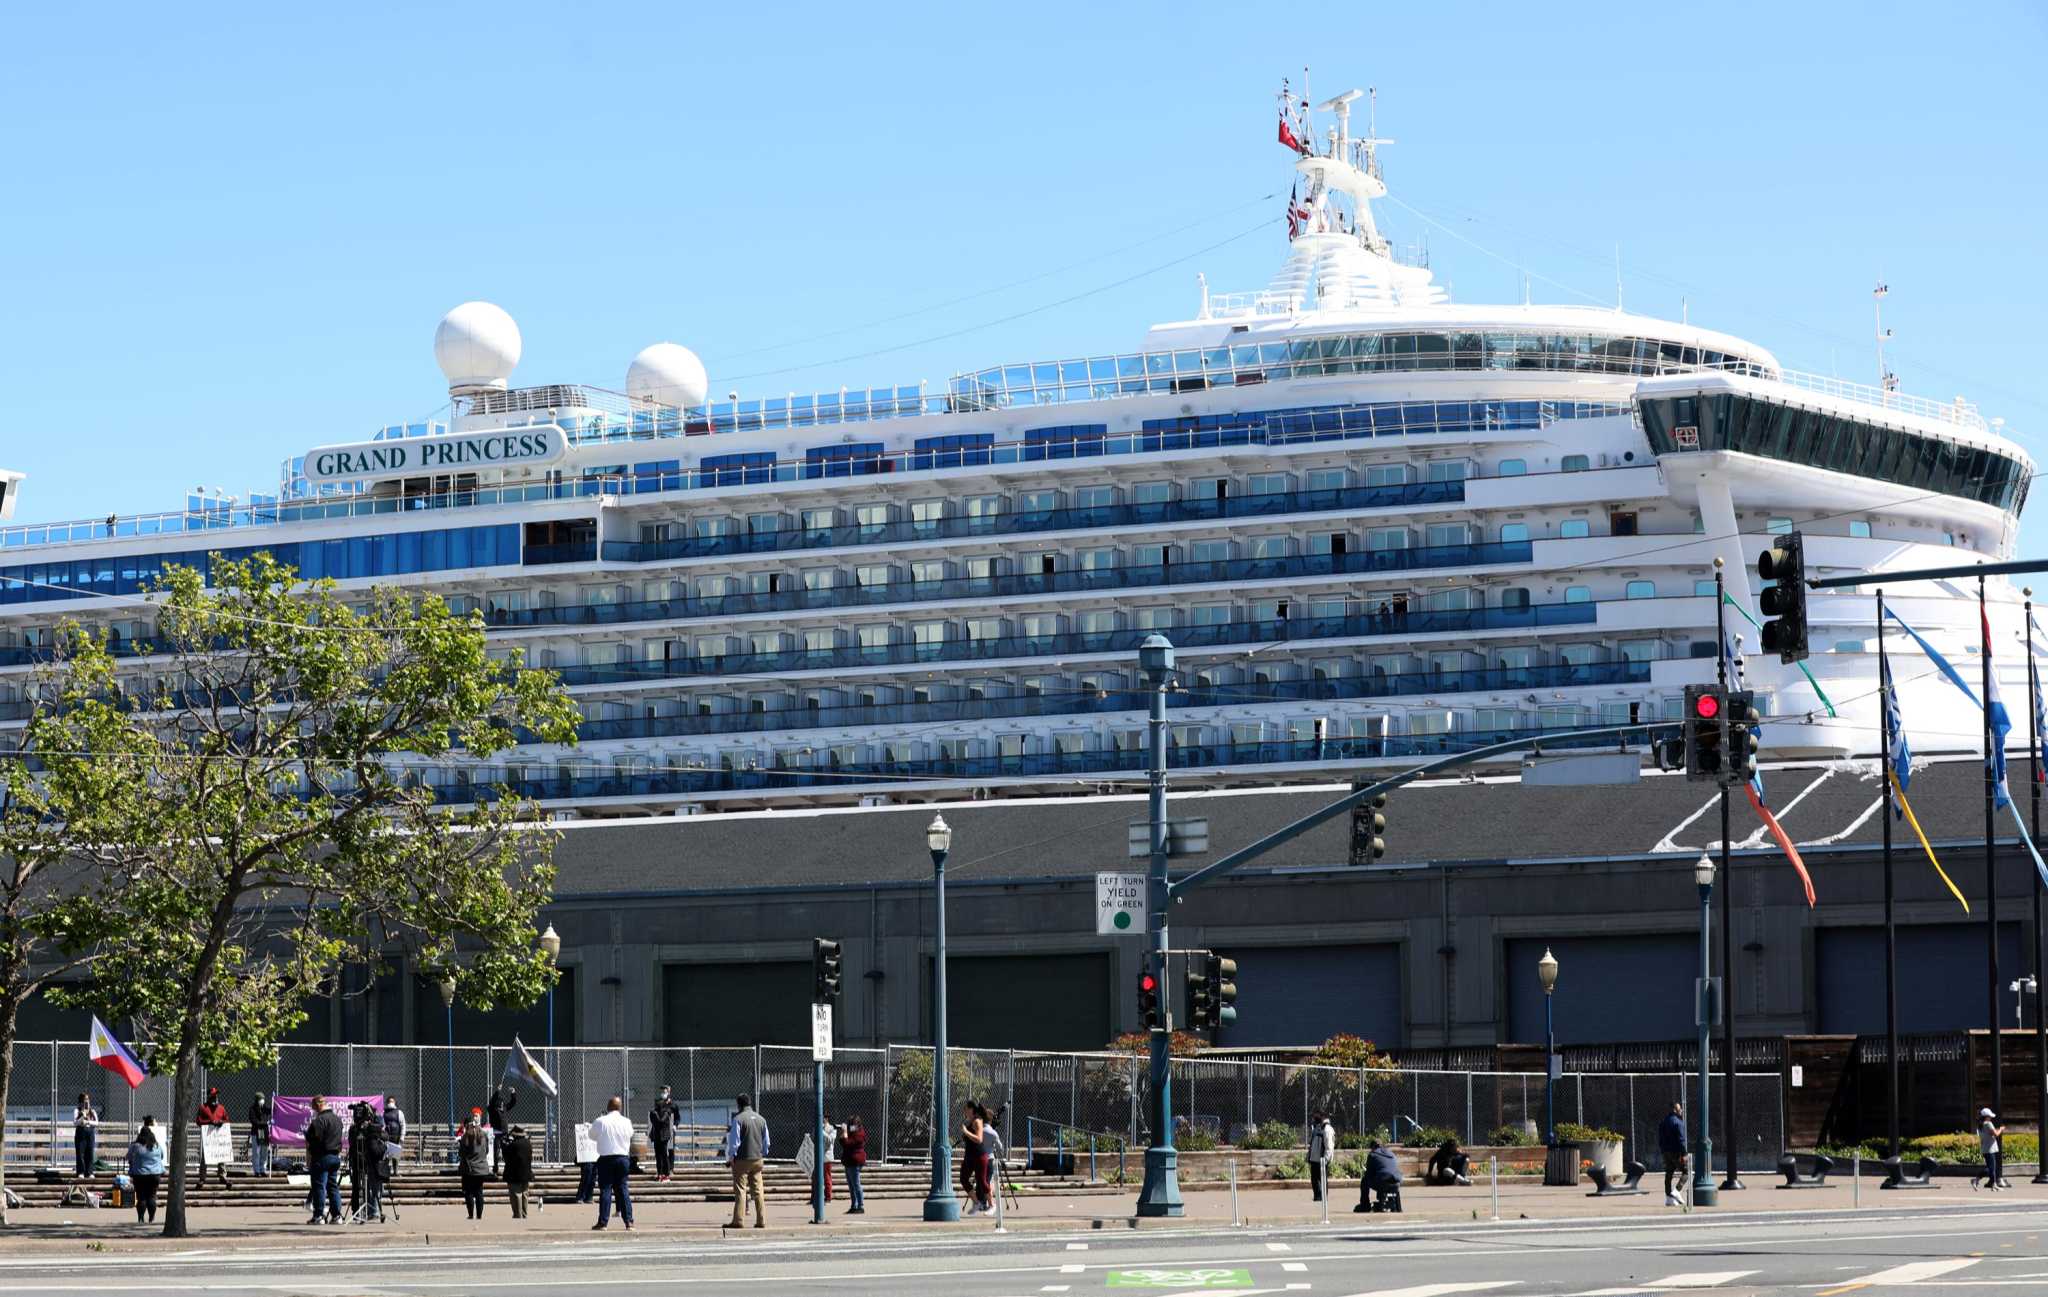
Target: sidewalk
{"x": 65, "y": 1229}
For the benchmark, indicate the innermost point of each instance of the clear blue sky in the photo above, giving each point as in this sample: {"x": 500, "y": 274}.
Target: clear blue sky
{"x": 229, "y": 233}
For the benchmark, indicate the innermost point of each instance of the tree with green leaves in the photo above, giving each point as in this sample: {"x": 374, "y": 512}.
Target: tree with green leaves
{"x": 268, "y": 832}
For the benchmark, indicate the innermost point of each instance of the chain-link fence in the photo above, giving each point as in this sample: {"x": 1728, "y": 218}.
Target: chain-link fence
{"x": 1044, "y": 1098}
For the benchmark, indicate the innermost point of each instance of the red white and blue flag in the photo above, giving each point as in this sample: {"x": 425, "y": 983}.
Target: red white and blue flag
{"x": 110, "y": 1053}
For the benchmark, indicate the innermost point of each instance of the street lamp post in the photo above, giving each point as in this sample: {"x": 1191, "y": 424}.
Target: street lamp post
{"x": 1546, "y": 972}
{"x": 940, "y": 1204}
{"x": 551, "y": 946}
{"x": 1704, "y": 1193}
{"x": 1160, "y": 1195}
{"x": 448, "y": 1004}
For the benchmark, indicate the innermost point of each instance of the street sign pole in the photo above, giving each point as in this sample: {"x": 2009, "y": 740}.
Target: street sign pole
{"x": 1160, "y": 1195}
{"x": 821, "y": 1053}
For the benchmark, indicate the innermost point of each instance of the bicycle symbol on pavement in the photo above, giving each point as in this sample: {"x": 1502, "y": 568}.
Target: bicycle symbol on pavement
{"x": 1180, "y": 1279}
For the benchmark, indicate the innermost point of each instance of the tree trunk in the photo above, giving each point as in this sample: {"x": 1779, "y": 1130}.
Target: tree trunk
{"x": 184, "y": 1090}
{"x": 10, "y": 1007}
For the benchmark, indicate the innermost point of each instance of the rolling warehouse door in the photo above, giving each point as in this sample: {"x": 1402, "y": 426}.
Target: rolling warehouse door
{"x": 736, "y": 1004}
{"x": 1303, "y": 995}
{"x": 1942, "y": 971}
{"x": 1609, "y": 989}
{"x": 1026, "y": 1001}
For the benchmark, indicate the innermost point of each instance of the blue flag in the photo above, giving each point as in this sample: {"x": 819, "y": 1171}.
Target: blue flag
{"x": 1895, "y": 721}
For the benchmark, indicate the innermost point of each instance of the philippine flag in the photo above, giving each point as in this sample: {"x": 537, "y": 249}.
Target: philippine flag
{"x": 110, "y": 1053}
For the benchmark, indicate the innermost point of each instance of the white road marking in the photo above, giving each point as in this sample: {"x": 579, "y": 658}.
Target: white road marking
{"x": 1672, "y": 1283}
{"x": 1077, "y": 1247}
{"x": 1072, "y": 1269}
{"x": 1910, "y": 1273}
{"x": 1440, "y": 1289}
{"x": 1294, "y": 1267}
{"x": 1055, "y": 1287}
{"x": 1278, "y": 1247}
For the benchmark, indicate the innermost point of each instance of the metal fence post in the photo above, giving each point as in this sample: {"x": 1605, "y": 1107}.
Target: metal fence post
{"x": 1009, "y": 1119}
{"x": 1579, "y": 1090}
{"x": 1470, "y": 1136}
{"x": 1360, "y": 1093}
{"x": 1251, "y": 1118}
{"x": 757, "y": 1072}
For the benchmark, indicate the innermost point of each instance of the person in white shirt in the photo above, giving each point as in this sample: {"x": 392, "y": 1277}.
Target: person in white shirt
{"x": 1322, "y": 1145}
{"x": 613, "y": 1135}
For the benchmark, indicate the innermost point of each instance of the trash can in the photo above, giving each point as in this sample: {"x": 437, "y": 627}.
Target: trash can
{"x": 1561, "y": 1164}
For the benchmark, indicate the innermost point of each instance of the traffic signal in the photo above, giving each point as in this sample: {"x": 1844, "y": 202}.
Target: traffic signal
{"x": 1148, "y": 1001}
{"x": 1222, "y": 990}
{"x": 824, "y": 971}
{"x": 1743, "y": 719}
{"x": 1704, "y": 708}
{"x": 1200, "y": 992}
{"x": 1367, "y": 826}
{"x": 1784, "y": 602}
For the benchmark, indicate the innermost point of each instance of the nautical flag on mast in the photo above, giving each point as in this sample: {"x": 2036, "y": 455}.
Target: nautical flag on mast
{"x": 2001, "y": 721}
{"x": 1287, "y": 135}
{"x": 1902, "y": 774}
{"x": 110, "y": 1053}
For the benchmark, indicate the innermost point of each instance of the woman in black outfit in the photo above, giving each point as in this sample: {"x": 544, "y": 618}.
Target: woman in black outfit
{"x": 473, "y": 1153}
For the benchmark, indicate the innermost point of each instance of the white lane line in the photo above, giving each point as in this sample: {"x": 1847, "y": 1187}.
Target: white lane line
{"x": 1294, "y": 1267}
{"x": 1440, "y": 1289}
{"x": 1055, "y": 1287}
{"x": 1278, "y": 1247}
{"x": 1669, "y": 1283}
{"x": 1072, "y": 1269}
{"x": 1910, "y": 1273}
{"x": 1077, "y": 1247}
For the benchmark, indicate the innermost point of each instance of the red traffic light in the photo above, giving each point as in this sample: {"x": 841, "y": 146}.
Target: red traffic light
{"x": 1707, "y": 706}
{"x": 1147, "y": 983}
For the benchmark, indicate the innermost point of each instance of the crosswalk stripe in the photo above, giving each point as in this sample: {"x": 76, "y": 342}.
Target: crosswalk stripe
{"x": 1440, "y": 1289}
{"x": 1294, "y": 1267}
{"x": 1672, "y": 1283}
{"x": 1911, "y": 1272}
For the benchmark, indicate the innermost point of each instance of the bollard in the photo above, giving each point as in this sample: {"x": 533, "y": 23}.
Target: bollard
{"x": 999, "y": 1199}
{"x": 1328, "y": 1189}
{"x": 1493, "y": 1174}
{"x": 1092, "y": 1179}
{"x": 1856, "y": 1178}
{"x": 1235, "y": 1220}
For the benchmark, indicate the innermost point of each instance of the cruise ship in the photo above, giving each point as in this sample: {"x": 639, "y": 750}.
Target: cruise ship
{"x": 1377, "y": 525}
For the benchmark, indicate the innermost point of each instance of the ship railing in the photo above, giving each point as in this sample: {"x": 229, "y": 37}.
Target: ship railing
{"x": 1959, "y": 412}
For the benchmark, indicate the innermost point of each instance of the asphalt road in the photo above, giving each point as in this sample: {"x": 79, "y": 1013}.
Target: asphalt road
{"x": 1930, "y": 1251}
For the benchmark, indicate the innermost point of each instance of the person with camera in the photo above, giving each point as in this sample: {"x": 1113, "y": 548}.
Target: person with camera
{"x": 661, "y": 1132}
{"x": 853, "y": 1155}
{"x": 473, "y": 1156}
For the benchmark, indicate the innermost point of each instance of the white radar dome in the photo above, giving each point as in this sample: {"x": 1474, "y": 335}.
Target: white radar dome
{"x": 477, "y": 345}
{"x": 668, "y": 374}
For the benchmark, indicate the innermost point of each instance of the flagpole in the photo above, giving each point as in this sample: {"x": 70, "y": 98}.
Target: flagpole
{"x": 1728, "y": 1135}
{"x": 1997, "y": 1104}
{"x": 2034, "y": 826}
{"x": 1891, "y": 930}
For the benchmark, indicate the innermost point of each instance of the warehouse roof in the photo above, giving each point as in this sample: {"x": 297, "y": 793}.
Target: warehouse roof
{"x": 1489, "y": 821}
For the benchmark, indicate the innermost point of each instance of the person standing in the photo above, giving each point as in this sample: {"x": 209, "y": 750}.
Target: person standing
{"x": 974, "y": 1156}
{"x": 1990, "y": 1142}
{"x": 499, "y": 1109}
{"x": 85, "y": 1136}
{"x": 146, "y": 1169}
{"x": 259, "y": 1135}
{"x": 324, "y": 1139}
{"x": 473, "y": 1159}
{"x": 1671, "y": 1143}
{"x": 586, "y": 1164}
{"x": 853, "y": 1155}
{"x": 661, "y": 1132}
{"x": 375, "y": 1151}
{"x": 213, "y": 1115}
{"x": 613, "y": 1135}
{"x": 1318, "y": 1157}
{"x": 746, "y": 1148}
{"x": 394, "y": 1127}
{"x": 518, "y": 1169}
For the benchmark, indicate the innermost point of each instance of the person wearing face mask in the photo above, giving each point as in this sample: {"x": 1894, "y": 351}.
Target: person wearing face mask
{"x": 661, "y": 1131}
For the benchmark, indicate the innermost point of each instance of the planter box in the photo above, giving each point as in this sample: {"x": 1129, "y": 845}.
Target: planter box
{"x": 1603, "y": 1153}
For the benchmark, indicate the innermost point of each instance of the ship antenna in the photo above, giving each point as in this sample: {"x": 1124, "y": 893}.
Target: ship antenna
{"x": 1887, "y": 382}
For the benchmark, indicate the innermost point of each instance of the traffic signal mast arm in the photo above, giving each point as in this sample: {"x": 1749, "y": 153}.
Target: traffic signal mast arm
{"x": 2014, "y": 568}
{"x": 1245, "y": 855}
